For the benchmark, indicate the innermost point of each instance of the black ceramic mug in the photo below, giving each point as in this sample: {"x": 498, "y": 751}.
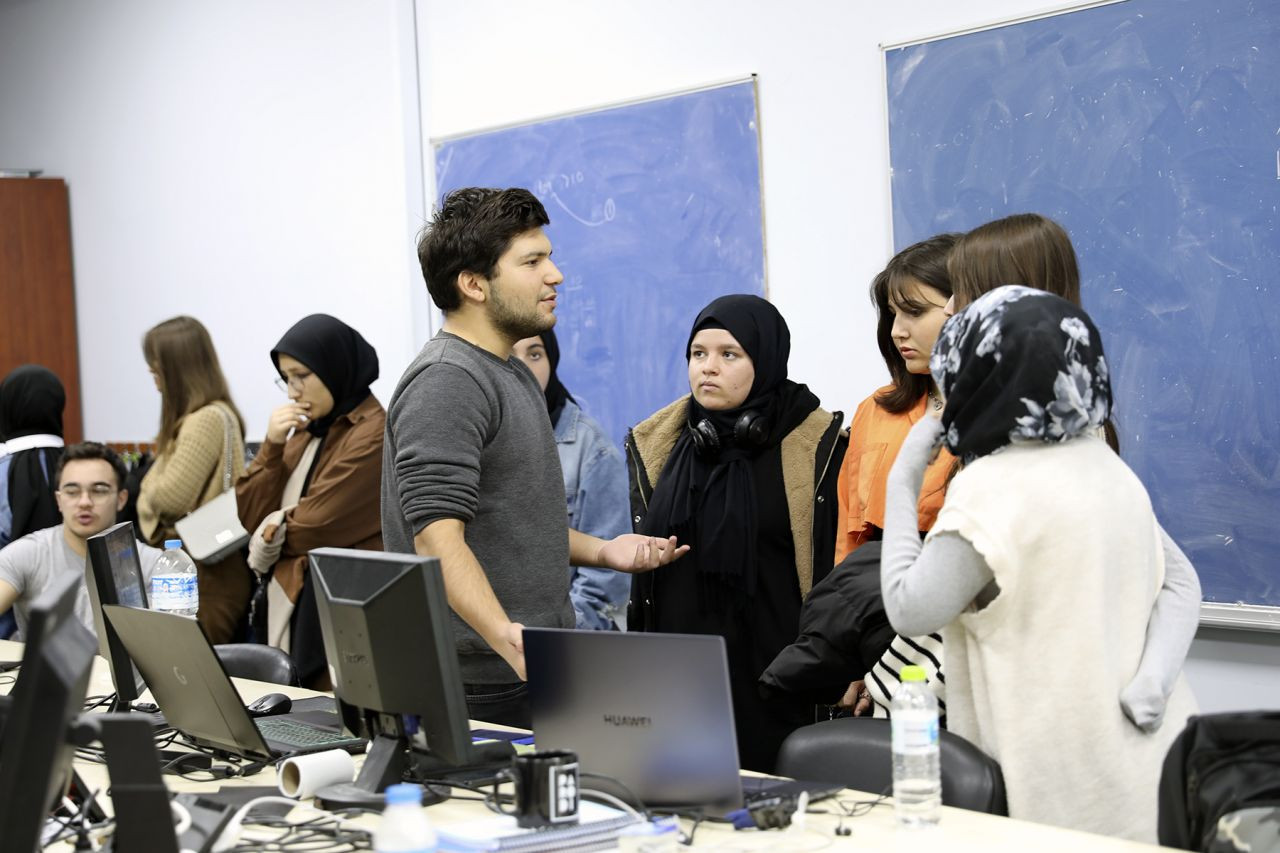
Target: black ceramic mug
{"x": 546, "y": 787}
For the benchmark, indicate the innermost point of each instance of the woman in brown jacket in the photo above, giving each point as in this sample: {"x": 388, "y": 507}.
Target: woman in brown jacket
{"x": 315, "y": 482}
{"x": 199, "y": 453}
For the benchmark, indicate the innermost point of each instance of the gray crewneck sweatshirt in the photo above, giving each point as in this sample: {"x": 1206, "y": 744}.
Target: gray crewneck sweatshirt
{"x": 468, "y": 438}
{"x": 926, "y": 586}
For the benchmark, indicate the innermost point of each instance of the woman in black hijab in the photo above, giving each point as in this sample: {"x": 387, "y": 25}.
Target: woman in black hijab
{"x": 31, "y": 402}
{"x": 310, "y": 484}
{"x": 744, "y": 470}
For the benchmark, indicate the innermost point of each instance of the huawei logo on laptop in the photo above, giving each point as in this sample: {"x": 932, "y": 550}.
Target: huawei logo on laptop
{"x": 627, "y": 721}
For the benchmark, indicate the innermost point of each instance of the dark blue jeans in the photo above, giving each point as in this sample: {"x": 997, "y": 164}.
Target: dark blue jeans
{"x": 506, "y": 704}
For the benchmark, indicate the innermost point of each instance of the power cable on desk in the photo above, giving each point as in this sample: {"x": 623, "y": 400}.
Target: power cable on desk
{"x": 853, "y": 809}
{"x": 454, "y": 783}
{"x": 639, "y": 809}
{"x": 76, "y": 824}
{"x": 308, "y": 835}
{"x": 695, "y": 815}
{"x": 92, "y": 703}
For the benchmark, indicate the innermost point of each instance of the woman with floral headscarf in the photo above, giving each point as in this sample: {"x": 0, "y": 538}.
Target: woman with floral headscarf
{"x": 1045, "y": 569}
{"x": 744, "y": 470}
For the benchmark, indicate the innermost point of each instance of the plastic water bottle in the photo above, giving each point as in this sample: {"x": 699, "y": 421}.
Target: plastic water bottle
{"x": 174, "y": 588}
{"x": 917, "y": 774}
{"x": 404, "y": 827}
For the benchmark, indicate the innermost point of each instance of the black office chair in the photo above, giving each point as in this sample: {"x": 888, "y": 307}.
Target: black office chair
{"x": 857, "y": 752}
{"x": 257, "y": 662}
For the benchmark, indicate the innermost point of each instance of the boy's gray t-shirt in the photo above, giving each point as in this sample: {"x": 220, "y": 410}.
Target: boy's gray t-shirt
{"x": 468, "y": 437}
{"x": 30, "y": 563}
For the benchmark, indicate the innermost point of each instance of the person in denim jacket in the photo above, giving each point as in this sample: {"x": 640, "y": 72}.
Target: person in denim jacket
{"x": 595, "y": 486}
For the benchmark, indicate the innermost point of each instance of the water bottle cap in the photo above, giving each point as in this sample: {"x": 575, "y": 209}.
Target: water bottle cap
{"x": 911, "y": 673}
{"x": 404, "y": 793}
{"x": 172, "y": 543}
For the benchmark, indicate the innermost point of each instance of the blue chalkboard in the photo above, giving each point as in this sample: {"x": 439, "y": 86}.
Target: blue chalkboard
{"x": 1151, "y": 130}
{"x": 655, "y": 211}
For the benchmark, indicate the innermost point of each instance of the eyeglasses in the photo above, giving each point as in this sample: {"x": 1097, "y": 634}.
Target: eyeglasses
{"x": 297, "y": 383}
{"x": 98, "y": 492}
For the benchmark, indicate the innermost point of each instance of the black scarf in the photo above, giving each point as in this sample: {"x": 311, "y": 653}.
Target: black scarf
{"x": 1019, "y": 365}
{"x": 338, "y": 356}
{"x": 31, "y": 403}
{"x": 711, "y": 503}
{"x": 556, "y": 393}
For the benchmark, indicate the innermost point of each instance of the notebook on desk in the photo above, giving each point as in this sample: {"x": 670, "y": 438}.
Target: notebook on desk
{"x": 650, "y": 710}
{"x": 198, "y": 699}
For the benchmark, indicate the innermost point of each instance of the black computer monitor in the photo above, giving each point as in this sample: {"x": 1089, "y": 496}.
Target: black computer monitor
{"x": 36, "y": 748}
{"x": 388, "y": 636}
{"x": 113, "y": 575}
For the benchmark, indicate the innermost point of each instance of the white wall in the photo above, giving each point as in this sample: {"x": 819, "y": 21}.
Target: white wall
{"x": 246, "y": 163}
{"x": 825, "y": 152}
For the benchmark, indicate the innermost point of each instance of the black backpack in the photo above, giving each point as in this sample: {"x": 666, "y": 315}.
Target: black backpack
{"x": 1223, "y": 765}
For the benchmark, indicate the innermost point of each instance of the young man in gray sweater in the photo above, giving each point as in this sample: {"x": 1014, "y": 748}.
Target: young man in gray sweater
{"x": 470, "y": 472}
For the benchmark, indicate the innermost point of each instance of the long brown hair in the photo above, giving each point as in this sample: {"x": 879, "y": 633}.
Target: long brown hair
{"x": 180, "y": 353}
{"x": 925, "y": 262}
{"x": 1025, "y": 248}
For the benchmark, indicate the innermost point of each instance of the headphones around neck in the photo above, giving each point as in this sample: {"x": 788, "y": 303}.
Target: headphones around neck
{"x": 750, "y": 431}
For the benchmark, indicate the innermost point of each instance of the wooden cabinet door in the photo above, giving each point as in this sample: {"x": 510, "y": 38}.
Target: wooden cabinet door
{"x": 37, "y": 293}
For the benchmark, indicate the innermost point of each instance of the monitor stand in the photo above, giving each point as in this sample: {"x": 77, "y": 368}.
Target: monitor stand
{"x": 138, "y": 794}
{"x": 390, "y": 760}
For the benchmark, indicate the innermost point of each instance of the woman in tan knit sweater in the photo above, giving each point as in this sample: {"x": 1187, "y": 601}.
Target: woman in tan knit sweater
{"x": 201, "y": 431}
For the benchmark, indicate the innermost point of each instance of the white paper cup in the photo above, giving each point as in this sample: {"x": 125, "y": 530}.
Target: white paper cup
{"x": 301, "y": 776}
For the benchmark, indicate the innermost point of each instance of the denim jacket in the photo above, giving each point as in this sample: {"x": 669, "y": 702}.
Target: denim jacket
{"x": 595, "y": 486}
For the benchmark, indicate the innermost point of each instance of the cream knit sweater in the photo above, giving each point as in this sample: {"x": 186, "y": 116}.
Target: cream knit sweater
{"x": 190, "y": 474}
{"x": 1034, "y": 677}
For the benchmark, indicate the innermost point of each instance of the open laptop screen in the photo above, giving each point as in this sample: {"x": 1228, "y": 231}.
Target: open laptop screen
{"x": 650, "y": 710}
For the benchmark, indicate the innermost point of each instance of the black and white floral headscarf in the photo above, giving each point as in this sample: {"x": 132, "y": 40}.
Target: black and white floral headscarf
{"x": 1019, "y": 364}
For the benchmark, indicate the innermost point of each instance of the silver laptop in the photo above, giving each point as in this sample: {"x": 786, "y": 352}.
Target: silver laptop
{"x": 198, "y": 699}
{"x": 650, "y": 710}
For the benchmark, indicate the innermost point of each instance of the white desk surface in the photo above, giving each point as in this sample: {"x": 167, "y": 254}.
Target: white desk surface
{"x": 958, "y": 830}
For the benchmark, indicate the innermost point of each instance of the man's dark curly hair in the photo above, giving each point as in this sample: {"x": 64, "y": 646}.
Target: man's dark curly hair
{"x": 91, "y": 450}
{"x": 470, "y": 231}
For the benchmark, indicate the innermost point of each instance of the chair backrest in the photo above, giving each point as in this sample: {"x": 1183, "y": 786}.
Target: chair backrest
{"x": 857, "y": 752}
{"x": 258, "y": 662}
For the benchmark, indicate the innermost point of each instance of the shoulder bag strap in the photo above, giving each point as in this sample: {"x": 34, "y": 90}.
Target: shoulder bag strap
{"x": 228, "y": 446}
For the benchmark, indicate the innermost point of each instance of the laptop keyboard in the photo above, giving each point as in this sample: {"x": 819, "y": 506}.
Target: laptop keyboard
{"x": 300, "y": 735}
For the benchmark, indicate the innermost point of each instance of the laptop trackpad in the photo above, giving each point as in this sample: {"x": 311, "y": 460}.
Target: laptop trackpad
{"x": 316, "y": 711}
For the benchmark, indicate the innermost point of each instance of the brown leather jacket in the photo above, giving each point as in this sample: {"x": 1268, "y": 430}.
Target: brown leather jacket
{"x": 341, "y": 507}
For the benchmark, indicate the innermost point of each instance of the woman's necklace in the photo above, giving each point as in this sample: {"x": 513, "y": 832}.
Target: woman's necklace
{"x": 935, "y": 401}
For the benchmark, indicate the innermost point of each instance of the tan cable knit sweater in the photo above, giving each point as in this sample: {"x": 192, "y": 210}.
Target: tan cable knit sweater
{"x": 190, "y": 474}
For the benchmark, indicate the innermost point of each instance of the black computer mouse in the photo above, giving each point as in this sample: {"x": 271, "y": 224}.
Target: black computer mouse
{"x": 269, "y": 705}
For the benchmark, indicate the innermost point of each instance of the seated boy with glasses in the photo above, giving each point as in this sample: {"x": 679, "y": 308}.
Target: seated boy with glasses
{"x": 90, "y": 479}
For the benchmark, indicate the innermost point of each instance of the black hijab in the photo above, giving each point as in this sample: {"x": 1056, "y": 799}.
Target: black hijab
{"x": 31, "y": 402}
{"x": 710, "y": 502}
{"x": 337, "y": 354}
{"x": 556, "y": 393}
{"x": 1019, "y": 364}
